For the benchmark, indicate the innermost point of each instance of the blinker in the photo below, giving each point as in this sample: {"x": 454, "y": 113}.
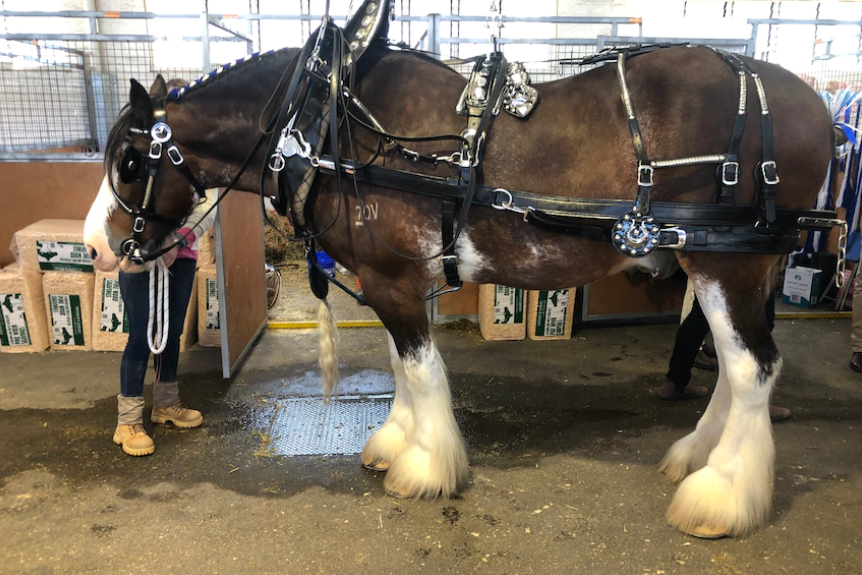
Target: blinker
{"x": 132, "y": 169}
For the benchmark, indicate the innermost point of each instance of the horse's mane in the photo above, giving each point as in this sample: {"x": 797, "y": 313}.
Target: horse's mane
{"x": 217, "y": 76}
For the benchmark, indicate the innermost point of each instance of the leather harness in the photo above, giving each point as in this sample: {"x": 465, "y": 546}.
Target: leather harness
{"x": 316, "y": 89}
{"x": 633, "y": 228}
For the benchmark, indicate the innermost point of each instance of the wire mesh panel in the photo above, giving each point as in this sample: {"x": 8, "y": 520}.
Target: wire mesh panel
{"x": 829, "y": 80}
{"x": 64, "y": 95}
{"x": 44, "y": 97}
{"x": 549, "y": 61}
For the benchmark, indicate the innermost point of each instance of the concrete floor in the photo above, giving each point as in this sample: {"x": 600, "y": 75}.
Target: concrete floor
{"x": 564, "y": 439}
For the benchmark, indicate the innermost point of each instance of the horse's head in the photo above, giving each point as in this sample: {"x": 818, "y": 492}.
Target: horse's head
{"x": 148, "y": 189}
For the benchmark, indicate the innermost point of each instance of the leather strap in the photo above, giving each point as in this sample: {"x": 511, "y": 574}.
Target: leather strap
{"x": 727, "y": 174}
{"x": 282, "y": 202}
{"x": 645, "y": 171}
{"x": 740, "y": 238}
{"x": 477, "y": 149}
{"x": 767, "y": 171}
{"x": 584, "y": 208}
{"x": 450, "y": 261}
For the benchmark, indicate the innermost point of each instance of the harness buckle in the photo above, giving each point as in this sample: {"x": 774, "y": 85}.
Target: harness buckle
{"x": 175, "y": 156}
{"x": 681, "y": 238}
{"x": 506, "y": 205}
{"x": 155, "y": 150}
{"x": 410, "y": 154}
{"x": 730, "y": 173}
{"x": 139, "y": 224}
{"x": 645, "y": 172}
{"x": 276, "y": 162}
{"x": 770, "y": 173}
{"x": 161, "y": 132}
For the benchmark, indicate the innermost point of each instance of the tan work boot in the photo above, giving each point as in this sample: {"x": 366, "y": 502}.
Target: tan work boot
{"x": 134, "y": 439}
{"x": 178, "y": 415}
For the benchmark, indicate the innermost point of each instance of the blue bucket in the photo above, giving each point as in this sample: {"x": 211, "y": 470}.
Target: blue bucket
{"x": 326, "y": 262}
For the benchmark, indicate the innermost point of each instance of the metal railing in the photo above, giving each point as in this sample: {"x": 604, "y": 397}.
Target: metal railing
{"x": 60, "y": 92}
{"x": 770, "y": 48}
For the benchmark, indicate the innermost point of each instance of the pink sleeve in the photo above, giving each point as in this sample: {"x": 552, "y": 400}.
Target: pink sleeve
{"x": 188, "y": 251}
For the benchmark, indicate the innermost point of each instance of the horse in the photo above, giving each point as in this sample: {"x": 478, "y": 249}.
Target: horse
{"x": 575, "y": 145}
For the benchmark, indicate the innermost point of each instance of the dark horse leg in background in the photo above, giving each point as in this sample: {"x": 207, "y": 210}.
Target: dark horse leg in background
{"x": 730, "y": 454}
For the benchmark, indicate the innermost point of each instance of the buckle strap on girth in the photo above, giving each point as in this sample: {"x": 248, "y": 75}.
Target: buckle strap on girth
{"x": 450, "y": 260}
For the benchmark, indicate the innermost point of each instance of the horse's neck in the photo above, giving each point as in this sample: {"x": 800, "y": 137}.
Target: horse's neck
{"x": 219, "y": 123}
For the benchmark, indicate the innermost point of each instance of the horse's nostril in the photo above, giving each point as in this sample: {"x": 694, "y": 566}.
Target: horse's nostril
{"x": 92, "y": 251}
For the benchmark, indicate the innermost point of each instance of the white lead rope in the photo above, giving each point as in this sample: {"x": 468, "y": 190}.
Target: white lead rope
{"x": 159, "y": 306}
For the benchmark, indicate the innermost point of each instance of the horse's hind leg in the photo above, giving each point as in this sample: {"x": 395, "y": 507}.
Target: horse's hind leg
{"x": 391, "y": 439}
{"x": 732, "y": 493}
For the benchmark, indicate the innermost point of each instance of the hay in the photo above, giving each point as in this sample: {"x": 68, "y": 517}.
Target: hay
{"x": 52, "y": 245}
{"x": 190, "y": 325}
{"x": 69, "y": 309}
{"x": 501, "y": 313}
{"x": 277, "y": 249}
{"x": 22, "y": 312}
{"x": 209, "y": 334}
{"x": 110, "y": 322}
{"x": 550, "y": 314}
{"x": 206, "y": 249}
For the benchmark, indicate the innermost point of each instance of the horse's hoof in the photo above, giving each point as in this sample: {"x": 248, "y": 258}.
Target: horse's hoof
{"x": 709, "y": 532}
{"x": 378, "y": 466}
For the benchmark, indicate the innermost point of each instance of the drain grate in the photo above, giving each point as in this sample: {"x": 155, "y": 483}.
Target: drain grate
{"x": 311, "y": 427}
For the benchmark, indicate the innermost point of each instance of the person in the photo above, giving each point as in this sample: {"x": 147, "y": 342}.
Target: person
{"x": 689, "y": 350}
{"x": 134, "y": 289}
{"x": 856, "y": 333}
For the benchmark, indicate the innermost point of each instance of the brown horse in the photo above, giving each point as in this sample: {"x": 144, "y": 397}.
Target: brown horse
{"x": 575, "y": 144}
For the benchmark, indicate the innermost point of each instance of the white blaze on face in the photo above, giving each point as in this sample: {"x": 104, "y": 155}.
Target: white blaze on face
{"x": 95, "y": 229}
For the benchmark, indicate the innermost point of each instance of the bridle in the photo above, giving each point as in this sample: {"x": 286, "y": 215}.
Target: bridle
{"x": 134, "y": 167}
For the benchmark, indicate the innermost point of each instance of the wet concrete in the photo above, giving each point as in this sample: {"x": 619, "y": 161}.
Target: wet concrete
{"x": 564, "y": 439}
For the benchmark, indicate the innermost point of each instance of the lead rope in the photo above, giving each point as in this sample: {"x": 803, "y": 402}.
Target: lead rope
{"x": 159, "y": 305}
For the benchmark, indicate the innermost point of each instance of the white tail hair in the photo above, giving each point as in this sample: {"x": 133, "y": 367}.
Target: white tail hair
{"x": 328, "y": 348}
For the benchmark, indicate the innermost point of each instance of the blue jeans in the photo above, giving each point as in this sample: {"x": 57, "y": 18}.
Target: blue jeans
{"x": 135, "y": 291}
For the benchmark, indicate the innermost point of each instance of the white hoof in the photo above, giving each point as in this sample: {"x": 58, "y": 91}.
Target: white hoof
{"x": 383, "y": 447}
{"x": 712, "y": 504}
{"x": 416, "y": 473}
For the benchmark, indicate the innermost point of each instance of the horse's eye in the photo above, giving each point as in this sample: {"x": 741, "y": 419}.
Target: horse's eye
{"x": 132, "y": 165}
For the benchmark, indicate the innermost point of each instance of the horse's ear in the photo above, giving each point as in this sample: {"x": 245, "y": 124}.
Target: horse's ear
{"x": 139, "y": 100}
{"x": 159, "y": 89}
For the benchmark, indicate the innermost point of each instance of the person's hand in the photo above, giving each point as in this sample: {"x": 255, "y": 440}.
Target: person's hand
{"x": 170, "y": 256}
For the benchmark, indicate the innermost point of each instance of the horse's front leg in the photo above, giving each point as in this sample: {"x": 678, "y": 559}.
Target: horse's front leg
{"x": 391, "y": 439}
{"x": 732, "y": 493}
{"x": 432, "y": 461}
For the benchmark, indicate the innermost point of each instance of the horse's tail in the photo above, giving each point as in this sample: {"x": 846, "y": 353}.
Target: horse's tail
{"x": 328, "y": 348}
